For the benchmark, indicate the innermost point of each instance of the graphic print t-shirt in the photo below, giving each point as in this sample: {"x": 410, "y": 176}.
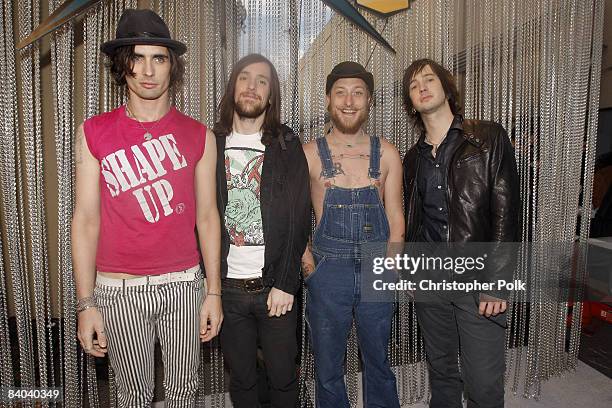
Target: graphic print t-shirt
{"x": 147, "y": 199}
{"x": 244, "y": 155}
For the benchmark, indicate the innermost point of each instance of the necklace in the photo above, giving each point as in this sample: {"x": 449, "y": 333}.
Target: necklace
{"x": 435, "y": 146}
{"x": 147, "y": 136}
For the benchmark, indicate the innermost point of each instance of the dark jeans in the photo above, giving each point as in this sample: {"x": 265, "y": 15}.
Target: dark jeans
{"x": 447, "y": 326}
{"x": 245, "y": 322}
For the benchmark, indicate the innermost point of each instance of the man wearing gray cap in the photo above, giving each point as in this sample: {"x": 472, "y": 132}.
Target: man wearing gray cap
{"x": 145, "y": 179}
{"x": 356, "y": 190}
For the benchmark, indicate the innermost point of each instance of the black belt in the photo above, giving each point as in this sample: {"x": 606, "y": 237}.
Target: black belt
{"x": 249, "y": 285}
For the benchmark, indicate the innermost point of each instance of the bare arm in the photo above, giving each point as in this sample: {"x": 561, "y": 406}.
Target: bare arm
{"x": 208, "y": 225}
{"x": 86, "y": 218}
{"x": 308, "y": 262}
{"x": 85, "y": 231}
{"x": 393, "y": 194}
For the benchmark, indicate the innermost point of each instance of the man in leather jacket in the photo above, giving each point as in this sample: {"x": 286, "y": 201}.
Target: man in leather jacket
{"x": 264, "y": 202}
{"x": 460, "y": 186}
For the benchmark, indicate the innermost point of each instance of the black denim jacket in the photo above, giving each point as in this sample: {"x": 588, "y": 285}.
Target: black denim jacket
{"x": 285, "y": 209}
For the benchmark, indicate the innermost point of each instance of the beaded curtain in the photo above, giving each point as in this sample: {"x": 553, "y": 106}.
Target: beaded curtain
{"x": 532, "y": 66}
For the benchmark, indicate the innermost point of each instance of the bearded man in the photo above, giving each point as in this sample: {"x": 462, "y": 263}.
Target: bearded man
{"x": 356, "y": 191}
{"x": 262, "y": 183}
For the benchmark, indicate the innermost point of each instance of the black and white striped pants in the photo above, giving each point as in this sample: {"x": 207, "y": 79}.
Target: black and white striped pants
{"x": 133, "y": 318}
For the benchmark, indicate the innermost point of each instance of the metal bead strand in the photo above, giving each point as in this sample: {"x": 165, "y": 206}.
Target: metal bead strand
{"x": 31, "y": 130}
{"x": 294, "y": 27}
{"x": 6, "y": 172}
{"x": 209, "y": 61}
{"x": 61, "y": 56}
{"x": 92, "y": 36}
{"x": 306, "y": 372}
{"x": 5, "y": 346}
{"x": 12, "y": 197}
{"x": 6, "y": 366}
{"x": 352, "y": 367}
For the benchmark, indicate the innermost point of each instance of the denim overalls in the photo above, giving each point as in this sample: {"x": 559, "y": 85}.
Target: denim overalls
{"x": 351, "y": 217}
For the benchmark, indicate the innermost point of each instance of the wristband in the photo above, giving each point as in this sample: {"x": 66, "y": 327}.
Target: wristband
{"x": 85, "y": 303}
{"x": 213, "y": 294}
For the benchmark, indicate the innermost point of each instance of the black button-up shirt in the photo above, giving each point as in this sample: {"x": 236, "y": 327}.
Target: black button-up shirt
{"x": 432, "y": 183}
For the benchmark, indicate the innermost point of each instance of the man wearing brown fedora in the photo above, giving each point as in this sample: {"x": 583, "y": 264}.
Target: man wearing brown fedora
{"x": 145, "y": 180}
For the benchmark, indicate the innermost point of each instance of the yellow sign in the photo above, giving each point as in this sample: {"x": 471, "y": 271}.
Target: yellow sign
{"x": 385, "y": 6}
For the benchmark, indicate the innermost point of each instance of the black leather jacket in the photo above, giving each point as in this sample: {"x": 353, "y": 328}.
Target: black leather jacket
{"x": 285, "y": 210}
{"x": 482, "y": 192}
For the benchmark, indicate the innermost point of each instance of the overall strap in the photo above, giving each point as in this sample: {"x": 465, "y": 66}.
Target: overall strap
{"x": 374, "y": 170}
{"x": 325, "y": 156}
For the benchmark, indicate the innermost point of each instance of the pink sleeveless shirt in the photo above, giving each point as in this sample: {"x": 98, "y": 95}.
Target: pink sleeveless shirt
{"x": 147, "y": 197}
